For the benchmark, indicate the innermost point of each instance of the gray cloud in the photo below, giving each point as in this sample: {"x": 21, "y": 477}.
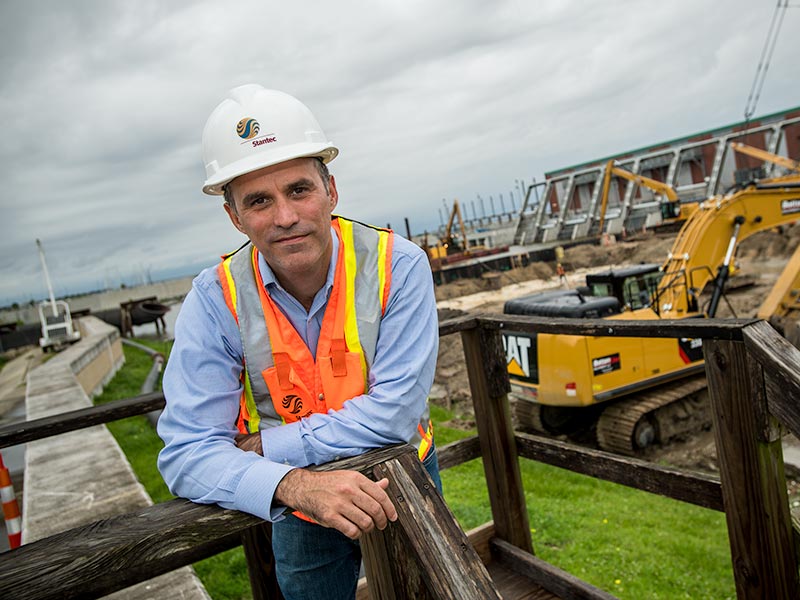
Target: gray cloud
{"x": 103, "y": 105}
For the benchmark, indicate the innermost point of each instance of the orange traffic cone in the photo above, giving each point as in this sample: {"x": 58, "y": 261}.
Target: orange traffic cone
{"x": 10, "y": 508}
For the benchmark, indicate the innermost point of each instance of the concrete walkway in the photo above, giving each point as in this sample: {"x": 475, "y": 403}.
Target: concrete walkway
{"x": 12, "y": 381}
{"x": 83, "y": 476}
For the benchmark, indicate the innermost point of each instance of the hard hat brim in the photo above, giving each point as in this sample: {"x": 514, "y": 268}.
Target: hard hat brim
{"x": 214, "y": 185}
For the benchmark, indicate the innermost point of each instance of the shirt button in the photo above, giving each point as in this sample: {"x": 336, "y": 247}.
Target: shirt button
{"x": 322, "y": 396}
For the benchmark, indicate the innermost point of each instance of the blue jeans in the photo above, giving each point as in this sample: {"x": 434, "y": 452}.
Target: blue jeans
{"x": 314, "y": 562}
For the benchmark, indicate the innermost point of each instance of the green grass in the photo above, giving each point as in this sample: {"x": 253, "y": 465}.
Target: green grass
{"x": 630, "y": 543}
{"x": 135, "y": 435}
{"x": 625, "y": 541}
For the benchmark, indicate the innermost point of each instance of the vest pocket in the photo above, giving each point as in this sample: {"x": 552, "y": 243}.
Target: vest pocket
{"x": 342, "y": 387}
{"x": 291, "y": 402}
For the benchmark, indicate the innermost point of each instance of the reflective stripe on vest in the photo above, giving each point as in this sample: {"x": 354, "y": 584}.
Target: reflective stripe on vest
{"x": 358, "y": 300}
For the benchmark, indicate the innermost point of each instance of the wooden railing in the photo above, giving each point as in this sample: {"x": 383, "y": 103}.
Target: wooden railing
{"x": 754, "y": 382}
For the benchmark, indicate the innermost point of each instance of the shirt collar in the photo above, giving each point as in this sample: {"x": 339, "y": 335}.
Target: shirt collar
{"x": 271, "y": 283}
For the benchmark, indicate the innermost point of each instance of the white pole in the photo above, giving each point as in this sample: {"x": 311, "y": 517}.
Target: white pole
{"x": 47, "y": 278}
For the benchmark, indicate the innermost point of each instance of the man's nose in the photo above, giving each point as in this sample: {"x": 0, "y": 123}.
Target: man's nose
{"x": 285, "y": 213}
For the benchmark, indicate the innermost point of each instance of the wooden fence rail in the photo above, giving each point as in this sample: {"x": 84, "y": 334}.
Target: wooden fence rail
{"x": 754, "y": 382}
{"x": 97, "y": 559}
{"x": 37, "y": 429}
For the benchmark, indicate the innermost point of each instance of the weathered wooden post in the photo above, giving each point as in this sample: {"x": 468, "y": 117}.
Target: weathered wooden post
{"x": 752, "y": 474}
{"x": 488, "y": 382}
{"x": 424, "y": 555}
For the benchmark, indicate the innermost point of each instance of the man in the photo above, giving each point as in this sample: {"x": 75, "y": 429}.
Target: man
{"x": 315, "y": 341}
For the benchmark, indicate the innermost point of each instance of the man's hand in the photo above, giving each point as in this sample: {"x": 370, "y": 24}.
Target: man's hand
{"x": 249, "y": 442}
{"x": 344, "y": 500}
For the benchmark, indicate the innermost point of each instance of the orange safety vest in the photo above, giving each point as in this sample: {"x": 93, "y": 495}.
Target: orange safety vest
{"x": 282, "y": 381}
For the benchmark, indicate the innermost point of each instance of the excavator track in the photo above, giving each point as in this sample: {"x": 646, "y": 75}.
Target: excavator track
{"x": 629, "y": 425}
{"x": 526, "y": 415}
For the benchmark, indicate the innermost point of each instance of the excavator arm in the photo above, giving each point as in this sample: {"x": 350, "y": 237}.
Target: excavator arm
{"x": 706, "y": 244}
{"x": 448, "y": 235}
{"x": 783, "y": 300}
{"x": 611, "y": 169}
{"x": 786, "y": 163}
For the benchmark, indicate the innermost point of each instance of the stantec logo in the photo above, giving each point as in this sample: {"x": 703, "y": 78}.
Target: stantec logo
{"x": 292, "y": 403}
{"x": 267, "y": 139}
{"x": 247, "y": 128}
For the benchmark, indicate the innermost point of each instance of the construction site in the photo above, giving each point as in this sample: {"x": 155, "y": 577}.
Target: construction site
{"x": 643, "y": 222}
{"x": 634, "y": 320}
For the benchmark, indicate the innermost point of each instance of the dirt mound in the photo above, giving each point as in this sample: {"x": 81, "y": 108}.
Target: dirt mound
{"x": 778, "y": 242}
{"x": 467, "y": 287}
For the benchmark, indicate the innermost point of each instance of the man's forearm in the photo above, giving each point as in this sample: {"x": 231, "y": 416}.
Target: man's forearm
{"x": 249, "y": 442}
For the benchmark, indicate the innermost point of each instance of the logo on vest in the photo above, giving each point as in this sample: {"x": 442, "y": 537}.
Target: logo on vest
{"x": 292, "y": 403}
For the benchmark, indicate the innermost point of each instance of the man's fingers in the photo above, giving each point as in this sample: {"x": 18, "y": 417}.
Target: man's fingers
{"x": 344, "y": 500}
{"x": 383, "y": 499}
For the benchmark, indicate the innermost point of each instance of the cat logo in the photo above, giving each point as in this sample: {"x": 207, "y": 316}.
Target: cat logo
{"x": 517, "y": 349}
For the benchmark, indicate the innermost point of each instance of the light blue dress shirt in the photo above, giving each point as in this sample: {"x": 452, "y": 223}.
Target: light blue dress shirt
{"x": 202, "y": 387}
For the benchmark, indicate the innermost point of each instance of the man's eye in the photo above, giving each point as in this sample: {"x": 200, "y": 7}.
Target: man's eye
{"x": 299, "y": 190}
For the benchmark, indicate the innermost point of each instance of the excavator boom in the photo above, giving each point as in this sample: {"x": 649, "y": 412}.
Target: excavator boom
{"x": 766, "y": 156}
{"x": 784, "y": 297}
{"x": 704, "y": 240}
{"x": 611, "y": 169}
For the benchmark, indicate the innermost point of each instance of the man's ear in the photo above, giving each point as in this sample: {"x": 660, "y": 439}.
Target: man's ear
{"x": 234, "y": 217}
{"x": 333, "y": 194}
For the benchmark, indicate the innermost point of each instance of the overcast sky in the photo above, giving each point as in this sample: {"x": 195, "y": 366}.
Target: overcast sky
{"x": 103, "y": 105}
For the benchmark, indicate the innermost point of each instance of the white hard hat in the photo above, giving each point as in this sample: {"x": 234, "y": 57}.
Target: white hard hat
{"x": 255, "y": 128}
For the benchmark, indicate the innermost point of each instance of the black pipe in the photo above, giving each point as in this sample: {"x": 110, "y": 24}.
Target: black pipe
{"x": 152, "y": 377}
{"x": 724, "y": 271}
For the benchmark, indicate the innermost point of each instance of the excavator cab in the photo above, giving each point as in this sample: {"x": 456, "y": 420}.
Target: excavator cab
{"x": 633, "y": 286}
{"x": 670, "y": 210}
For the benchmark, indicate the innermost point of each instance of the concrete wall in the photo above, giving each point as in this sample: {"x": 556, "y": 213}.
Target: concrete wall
{"x": 80, "y": 477}
{"x": 95, "y": 364}
{"x": 163, "y": 290}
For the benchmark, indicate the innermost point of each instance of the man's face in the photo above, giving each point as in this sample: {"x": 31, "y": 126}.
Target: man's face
{"x": 286, "y": 212}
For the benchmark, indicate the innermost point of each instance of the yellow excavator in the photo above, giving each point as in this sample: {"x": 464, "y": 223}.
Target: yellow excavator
{"x": 633, "y": 391}
{"x": 450, "y": 244}
{"x": 672, "y": 209}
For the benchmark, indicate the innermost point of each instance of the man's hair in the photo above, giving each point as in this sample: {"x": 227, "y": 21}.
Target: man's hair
{"x": 322, "y": 169}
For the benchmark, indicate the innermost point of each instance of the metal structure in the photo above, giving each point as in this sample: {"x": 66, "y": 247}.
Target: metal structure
{"x": 697, "y": 167}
